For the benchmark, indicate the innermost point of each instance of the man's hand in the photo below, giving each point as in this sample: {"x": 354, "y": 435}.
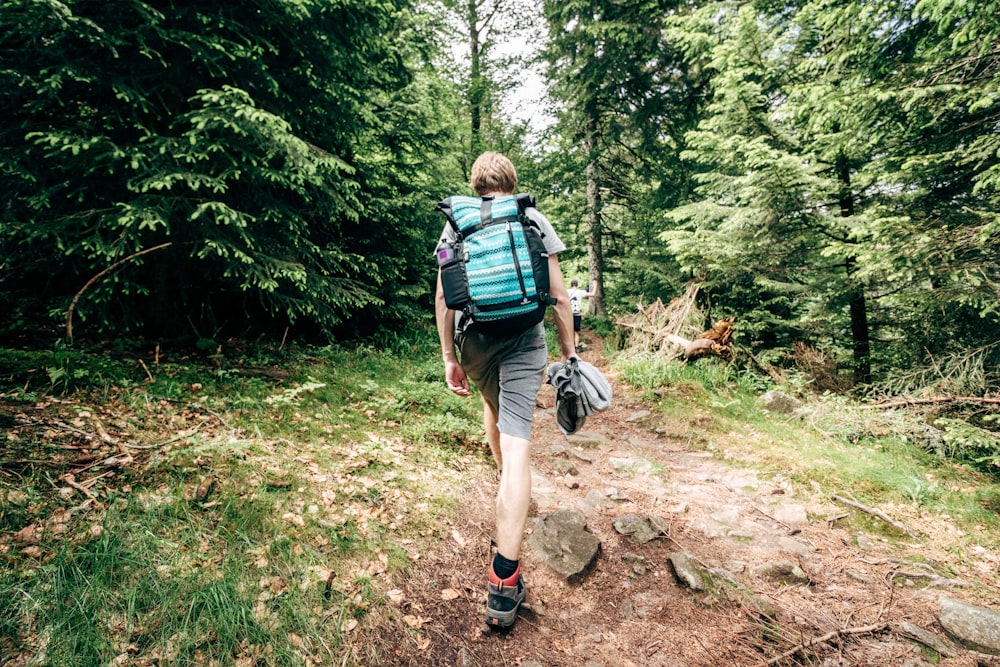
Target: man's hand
{"x": 454, "y": 375}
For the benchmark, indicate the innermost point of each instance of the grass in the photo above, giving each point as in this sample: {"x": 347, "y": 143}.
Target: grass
{"x": 839, "y": 447}
{"x": 267, "y": 503}
{"x": 325, "y": 479}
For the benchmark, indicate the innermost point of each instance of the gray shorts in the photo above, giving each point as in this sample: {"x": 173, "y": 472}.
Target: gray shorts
{"x": 508, "y": 371}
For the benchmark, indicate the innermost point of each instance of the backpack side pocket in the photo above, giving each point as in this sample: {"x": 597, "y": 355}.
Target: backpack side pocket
{"x": 454, "y": 281}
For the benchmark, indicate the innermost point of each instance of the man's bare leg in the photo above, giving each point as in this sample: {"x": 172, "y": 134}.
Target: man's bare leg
{"x": 506, "y": 589}
{"x": 514, "y": 495}
{"x": 492, "y": 433}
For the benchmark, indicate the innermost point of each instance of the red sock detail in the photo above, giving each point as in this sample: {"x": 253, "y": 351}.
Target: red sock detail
{"x": 509, "y": 581}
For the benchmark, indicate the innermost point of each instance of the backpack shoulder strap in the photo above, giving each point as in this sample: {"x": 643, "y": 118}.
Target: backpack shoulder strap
{"x": 445, "y": 207}
{"x": 524, "y": 201}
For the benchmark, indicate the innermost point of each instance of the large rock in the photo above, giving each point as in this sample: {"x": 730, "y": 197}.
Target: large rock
{"x": 977, "y": 627}
{"x": 629, "y": 466}
{"x": 686, "y": 570}
{"x": 776, "y": 401}
{"x": 785, "y": 571}
{"x": 791, "y": 514}
{"x": 561, "y": 541}
{"x": 596, "y": 500}
{"x": 639, "y": 417}
{"x": 637, "y": 526}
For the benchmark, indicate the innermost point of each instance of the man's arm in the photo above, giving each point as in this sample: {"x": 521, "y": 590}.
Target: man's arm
{"x": 454, "y": 374}
{"x": 562, "y": 310}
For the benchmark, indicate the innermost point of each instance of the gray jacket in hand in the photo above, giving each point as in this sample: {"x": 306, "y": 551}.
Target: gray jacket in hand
{"x": 581, "y": 390}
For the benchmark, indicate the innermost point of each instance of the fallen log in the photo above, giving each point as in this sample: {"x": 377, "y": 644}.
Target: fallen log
{"x": 715, "y": 341}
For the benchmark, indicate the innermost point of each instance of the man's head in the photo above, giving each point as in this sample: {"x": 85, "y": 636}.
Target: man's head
{"x": 574, "y": 282}
{"x": 493, "y": 172}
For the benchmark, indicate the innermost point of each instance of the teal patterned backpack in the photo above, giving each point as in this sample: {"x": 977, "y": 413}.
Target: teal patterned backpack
{"x": 497, "y": 272}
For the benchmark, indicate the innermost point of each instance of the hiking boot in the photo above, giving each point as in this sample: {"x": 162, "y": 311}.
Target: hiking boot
{"x": 503, "y": 599}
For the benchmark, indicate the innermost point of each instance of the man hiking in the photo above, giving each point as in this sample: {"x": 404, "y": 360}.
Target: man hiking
{"x": 576, "y": 297}
{"x": 507, "y": 368}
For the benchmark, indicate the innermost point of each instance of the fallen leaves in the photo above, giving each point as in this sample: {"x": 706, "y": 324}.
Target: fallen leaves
{"x": 292, "y": 517}
{"x": 203, "y": 489}
{"x": 32, "y": 552}
{"x": 415, "y": 621}
{"x": 328, "y": 496}
{"x": 55, "y": 525}
{"x": 28, "y": 535}
{"x": 272, "y": 587}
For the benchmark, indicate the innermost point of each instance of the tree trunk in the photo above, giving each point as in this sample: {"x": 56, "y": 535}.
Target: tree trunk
{"x": 859, "y": 329}
{"x": 595, "y": 249}
{"x": 860, "y": 332}
{"x": 475, "y": 77}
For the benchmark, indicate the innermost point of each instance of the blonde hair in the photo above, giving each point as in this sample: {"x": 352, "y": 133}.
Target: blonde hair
{"x": 493, "y": 172}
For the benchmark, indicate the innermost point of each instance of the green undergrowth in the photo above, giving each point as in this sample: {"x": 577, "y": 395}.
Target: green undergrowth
{"x": 230, "y": 513}
{"x": 835, "y": 446}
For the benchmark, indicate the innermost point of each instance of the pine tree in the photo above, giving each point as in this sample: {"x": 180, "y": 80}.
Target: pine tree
{"x": 625, "y": 99}
{"x": 251, "y": 137}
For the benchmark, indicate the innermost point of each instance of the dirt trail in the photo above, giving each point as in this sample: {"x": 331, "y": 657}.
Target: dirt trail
{"x": 629, "y": 609}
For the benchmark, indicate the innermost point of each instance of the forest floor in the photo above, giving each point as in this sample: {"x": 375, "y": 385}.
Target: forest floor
{"x": 629, "y": 609}
{"x": 797, "y": 577}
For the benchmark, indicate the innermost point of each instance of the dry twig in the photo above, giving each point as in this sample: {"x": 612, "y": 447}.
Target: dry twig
{"x": 780, "y": 523}
{"x": 72, "y": 305}
{"x": 657, "y": 326}
{"x": 146, "y": 368}
{"x": 87, "y": 493}
{"x": 874, "y": 512}
{"x": 103, "y": 437}
{"x": 809, "y": 643}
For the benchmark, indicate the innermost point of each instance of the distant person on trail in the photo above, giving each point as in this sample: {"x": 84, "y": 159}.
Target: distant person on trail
{"x": 576, "y": 297}
{"x": 507, "y": 368}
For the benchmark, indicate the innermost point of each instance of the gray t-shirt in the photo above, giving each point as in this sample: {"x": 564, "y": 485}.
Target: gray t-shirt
{"x": 552, "y": 241}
